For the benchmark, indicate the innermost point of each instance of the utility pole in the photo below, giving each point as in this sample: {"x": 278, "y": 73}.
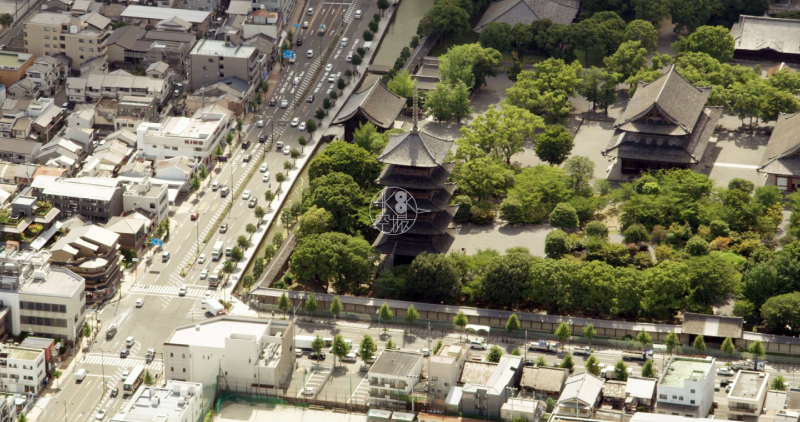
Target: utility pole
{"x": 103, "y": 366}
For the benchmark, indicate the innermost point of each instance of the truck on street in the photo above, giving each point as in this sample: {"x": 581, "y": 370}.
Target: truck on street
{"x": 643, "y": 355}
{"x": 216, "y": 277}
{"x": 543, "y": 346}
{"x": 213, "y": 307}
{"x": 749, "y": 365}
{"x": 585, "y": 350}
{"x": 216, "y": 254}
{"x": 303, "y": 342}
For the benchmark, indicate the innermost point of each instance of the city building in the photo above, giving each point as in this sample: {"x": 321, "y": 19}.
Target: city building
{"x": 47, "y": 345}
{"x": 48, "y": 73}
{"x": 780, "y": 162}
{"x": 655, "y": 417}
{"x": 375, "y": 104}
{"x": 262, "y": 22}
{"x": 92, "y": 252}
{"x": 393, "y": 374}
{"x": 132, "y": 233}
{"x": 147, "y": 197}
{"x": 416, "y": 167}
{"x": 581, "y": 396}
{"x": 8, "y": 408}
{"x": 133, "y": 46}
{"x": 686, "y": 388}
{"x": 193, "y": 137}
{"x": 22, "y": 370}
{"x": 175, "y": 402}
{"x": 13, "y": 66}
{"x": 231, "y": 93}
{"x": 145, "y": 15}
{"x": 665, "y": 125}
{"x": 445, "y": 367}
{"x": 543, "y": 381}
{"x": 640, "y": 392}
{"x": 485, "y": 386}
{"x": 211, "y": 61}
{"x": 45, "y": 300}
{"x": 528, "y": 409}
{"x": 80, "y": 38}
{"x": 518, "y": 11}
{"x": 766, "y": 38}
{"x": 89, "y": 88}
{"x": 93, "y": 197}
{"x": 746, "y": 398}
{"x": 47, "y": 118}
{"x": 18, "y": 150}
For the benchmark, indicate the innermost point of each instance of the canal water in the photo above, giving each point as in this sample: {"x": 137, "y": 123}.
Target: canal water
{"x": 401, "y": 30}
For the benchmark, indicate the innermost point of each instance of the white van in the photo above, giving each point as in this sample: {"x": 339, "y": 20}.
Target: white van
{"x": 80, "y": 375}
{"x": 358, "y": 14}
{"x": 351, "y": 357}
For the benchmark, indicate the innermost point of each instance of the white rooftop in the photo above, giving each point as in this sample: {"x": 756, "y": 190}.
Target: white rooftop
{"x": 147, "y": 12}
{"x": 221, "y": 48}
{"x": 213, "y": 332}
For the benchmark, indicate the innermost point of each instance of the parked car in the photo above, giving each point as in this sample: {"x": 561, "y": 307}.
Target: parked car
{"x": 308, "y": 391}
{"x": 725, "y": 371}
{"x": 101, "y": 414}
{"x": 317, "y": 356}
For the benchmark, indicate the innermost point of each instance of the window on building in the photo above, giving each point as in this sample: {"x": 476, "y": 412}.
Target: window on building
{"x": 691, "y": 401}
{"x": 80, "y": 40}
{"x": 81, "y": 49}
{"x": 47, "y": 37}
{"x": 680, "y": 398}
{"x": 46, "y": 29}
{"x": 674, "y": 397}
{"x": 692, "y": 391}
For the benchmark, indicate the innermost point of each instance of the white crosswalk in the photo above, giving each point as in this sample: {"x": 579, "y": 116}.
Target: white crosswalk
{"x": 351, "y": 11}
{"x": 167, "y": 290}
{"x": 154, "y": 366}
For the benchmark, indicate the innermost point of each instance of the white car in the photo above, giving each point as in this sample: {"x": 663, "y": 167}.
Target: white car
{"x": 308, "y": 391}
{"x": 260, "y": 123}
{"x": 305, "y": 24}
{"x": 246, "y": 195}
{"x": 296, "y": 80}
{"x": 295, "y": 121}
{"x": 208, "y": 294}
{"x": 284, "y": 103}
{"x": 344, "y": 41}
{"x": 328, "y": 67}
{"x": 130, "y": 341}
{"x": 286, "y": 150}
{"x": 203, "y": 274}
{"x": 331, "y": 79}
{"x": 215, "y": 185}
{"x": 263, "y": 167}
{"x": 279, "y": 145}
{"x": 310, "y": 54}
{"x": 350, "y": 58}
{"x": 725, "y": 371}
{"x": 265, "y": 179}
{"x": 302, "y": 126}
{"x": 202, "y": 259}
{"x": 139, "y": 302}
{"x": 425, "y": 352}
{"x": 101, "y": 414}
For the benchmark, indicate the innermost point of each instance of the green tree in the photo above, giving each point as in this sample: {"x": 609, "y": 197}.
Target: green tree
{"x": 484, "y": 178}
{"x": 236, "y": 254}
{"x": 340, "y": 195}
{"x": 516, "y": 66}
{"x": 242, "y": 242}
{"x": 283, "y": 303}
{"x": 346, "y": 261}
{"x": 567, "y": 363}
{"x": 317, "y": 344}
{"x": 411, "y": 315}
{"x": 258, "y": 267}
{"x": 468, "y": 63}
{"x": 402, "y": 84}
{"x": 636, "y": 233}
{"x": 691, "y": 14}
{"x": 315, "y": 221}
{"x": 541, "y": 362}
{"x": 385, "y": 314}
{"x": 437, "y": 102}
{"x": 665, "y": 289}
{"x": 564, "y": 216}
{"x": 513, "y": 323}
{"x": 556, "y": 244}
{"x": 627, "y": 60}
{"x": 563, "y": 332}
{"x": 446, "y": 19}
{"x": 781, "y": 313}
{"x": 56, "y": 374}
{"x": 22, "y": 417}
{"x": 727, "y": 346}
{"x": 778, "y": 383}
{"x": 593, "y": 366}
{"x": 757, "y": 349}
{"x": 367, "y": 348}
{"x": 648, "y": 371}
{"x": 554, "y": 145}
{"x": 461, "y": 320}
{"x": 496, "y": 35}
{"x": 589, "y": 332}
{"x": 434, "y": 278}
{"x": 505, "y": 280}
{"x": 311, "y": 303}
{"x": 195, "y": 184}
{"x": 716, "y": 41}
{"x": 499, "y": 133}
{"x": 651, "y": 10}
{"x": 621, "y": 371}
{"x": 339, "y": 348}
{"x": 227, "y": 266}
{"x": 494, "y": 355}
{"x": 336, "y": 308}
{"x": 643, "y": 338}
{"x": 644, "y": 32}
{"x": 699, "y": 344}
{"x": 599, "y": 87}
{"x": 516, "y": 352}
{"x": 390, "y": 345}
{"x": 671, "y": 342}
{"x": 148, "y": 378}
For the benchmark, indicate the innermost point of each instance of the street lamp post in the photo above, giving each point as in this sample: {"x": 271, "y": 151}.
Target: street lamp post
{"x": 65, "y": 409}
{"x": 103, "y": 368}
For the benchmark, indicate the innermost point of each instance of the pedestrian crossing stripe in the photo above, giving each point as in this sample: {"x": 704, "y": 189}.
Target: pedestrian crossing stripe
{"x": 169, "y": 290}
{"x": 154, "y": 366}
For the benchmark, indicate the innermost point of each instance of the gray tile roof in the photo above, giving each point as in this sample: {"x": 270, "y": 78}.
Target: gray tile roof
{"x": 583, "y": 387}
{"x": 544, "y": 378}
{"x": 417, "y": 149}
{"x": 527, "y": 11}
{"x": 378, "y": 105}
{"x": 126, "y": 36}
{"x": 712, "y": 325}
{"x": 780, "y": 155}
{"x": 670, "y": 96}
{"x": 754, "y": 33}
{"x": 397, "y": 363}
{"x": 641, "y": 388}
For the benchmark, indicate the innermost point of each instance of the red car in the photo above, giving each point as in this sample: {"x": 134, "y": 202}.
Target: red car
{"x": 194, "y": 215}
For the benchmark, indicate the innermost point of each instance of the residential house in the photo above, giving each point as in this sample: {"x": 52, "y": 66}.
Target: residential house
{"x": 766, "y": 38}
{"x": 231, "y": 93}
{"x": 48, "y": 73}
{"x": 99, "y": 199}
{"x": 211, "y": 61}
{"x": 47, "y": 117}
{"x": 60, "y": 147}
{"x": 544, "y": 381}
{"x": 375, "y": 104}
{"x": 80, "y": 38}
{"x": 144, "y": 15}
{"x": 747, "y": 395}
{"x": 445, "y": 367}
{"x": 665, "y": 125}
{"x": 147, "y": 197}
{"x": 581, "y": 396}
{"x": 159, "y": 70}
{"x": 528, "y": 409}
{"x": 131, "y": 111}
{"x": 137, "y": 169}
{"x": 132, "y": 233}
{"x": 91, "y": 252}
{"x": 613, "y": 394}
{"x": 175, "y": 24}
{"x": 262, "y": 22}
{"x": 47, "y": 345}
{"x": 686, "y": 388}
{"x": 780, "y": 163}
{"x": 513, "y": 12}
{"x": 18, "y": 150}
{"x": 88, "y": 89}
{"x": 13, "y": 66}
{"x": 640, "y": 392}
{"x": 23, "y": 370}
{"x": 486, "y": 386}
{"x": 393, "y": 374}
{"x": 24, "y": 88}
{"x": 252, "y": 355}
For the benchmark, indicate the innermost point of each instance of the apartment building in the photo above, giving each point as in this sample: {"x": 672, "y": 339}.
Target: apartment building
{"x": 80, "y": 38}
{"x": 90, "y": 88}
{"x": 13, "y": 66}
{"x": 96, "y": 198}
{"x": 48, "y": 72}
{"x": 132, "y": 45}
{"x": 92, "y": 252}
{"x": 175, "y": 402}
{"x": 132, "y": 233}
{"x": 22, "y": 370}
{"x": 686, "y": 388}
{"x": 147, "y": 197}
{"x": 746, "y": 398}
{"x": 199, "y": 20}
{"x": 193, "y": 137}
{"x": 8, "y": 408}
{"x": 445, "y": 368}
{"x": 484, "y": 385}
{"x": 45, "y": 300}
{"x": 133, "y": 110}
{"x": 211, "y": 61}
{"x": 394, "y": 374}
{"x": 245, "y": 354}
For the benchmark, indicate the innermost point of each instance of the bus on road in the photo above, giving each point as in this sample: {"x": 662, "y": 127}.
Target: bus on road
{"x": 134, "y": 380}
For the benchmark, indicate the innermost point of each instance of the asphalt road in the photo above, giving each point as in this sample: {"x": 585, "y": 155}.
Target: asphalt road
{"x": 163, "y": 309}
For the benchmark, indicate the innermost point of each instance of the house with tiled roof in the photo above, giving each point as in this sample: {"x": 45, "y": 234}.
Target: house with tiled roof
{"x": 665, "y": 125}
{"x": 375, "y": 104}
{"x": 762, "y": 37}
{"x": 781, "y": 162}
{"x": 513, "y": 12}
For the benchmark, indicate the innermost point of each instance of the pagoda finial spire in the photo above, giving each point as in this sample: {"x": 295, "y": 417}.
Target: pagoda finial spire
{"x": 415, "y": 129}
